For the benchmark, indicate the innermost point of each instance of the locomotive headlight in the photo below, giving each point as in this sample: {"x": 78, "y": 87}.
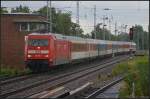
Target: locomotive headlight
{"x": 46, "y": 55}
{"x": 29, "y": 56}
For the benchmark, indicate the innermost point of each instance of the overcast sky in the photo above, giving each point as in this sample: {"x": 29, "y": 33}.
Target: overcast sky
{"x": 123, "y": 12}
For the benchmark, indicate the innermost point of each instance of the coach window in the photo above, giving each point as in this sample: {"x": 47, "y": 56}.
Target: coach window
{"x": 74, "y": 47}
{"x": 82, "y": 47}
{"x": 103, "y": 47}
{"x": 79, "y": 47}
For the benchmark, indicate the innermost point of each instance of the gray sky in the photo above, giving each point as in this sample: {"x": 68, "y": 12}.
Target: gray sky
{"x": 122, "y": 12}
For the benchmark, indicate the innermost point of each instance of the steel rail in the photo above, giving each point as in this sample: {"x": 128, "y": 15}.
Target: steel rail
{"x": 72, "y": 79}
{"x": 97, "y": 92}
{"x": 11, "y": 79}
{"x": 18, "y": 78}
{"x": 55, "y": 79}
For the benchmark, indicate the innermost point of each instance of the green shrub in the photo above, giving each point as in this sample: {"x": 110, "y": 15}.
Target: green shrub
{"x": 137, "y": 71}
{"x": 13, "y": 71}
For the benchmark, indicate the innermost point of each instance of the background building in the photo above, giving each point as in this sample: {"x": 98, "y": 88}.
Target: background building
{"x": 14, "y": 27}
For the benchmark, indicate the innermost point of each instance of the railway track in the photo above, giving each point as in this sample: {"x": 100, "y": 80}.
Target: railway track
{"x": 66, "y": 93}
{"x": 10, "y": 79}
{"x": 55, "y": 81}
{"x": 95, "y": 93}
{"x": 16, "y": 78}
{"x": 88, "y": 92}
{"x": 5, "y": 78}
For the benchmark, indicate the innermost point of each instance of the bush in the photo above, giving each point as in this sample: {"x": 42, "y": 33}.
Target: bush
{"x": 13, "y": 71}
{"x": 137, "y": 71}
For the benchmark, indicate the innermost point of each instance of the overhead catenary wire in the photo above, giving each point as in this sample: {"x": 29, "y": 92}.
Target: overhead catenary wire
{"x": 89, "y": 9}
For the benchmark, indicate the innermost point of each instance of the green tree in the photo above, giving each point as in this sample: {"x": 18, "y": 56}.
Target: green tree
{"x": 61, "y": 22}
{"x": 43, "y": 11}
{"x": 87, "y": 36}
{"x": 3, "y": 10}
{"x": 100, "y": 33}
{"x": 123, "y": 37}
{"x": 76, "y": 30}
{"x": 23, "y": 9}
{"x": 140, "y": 37}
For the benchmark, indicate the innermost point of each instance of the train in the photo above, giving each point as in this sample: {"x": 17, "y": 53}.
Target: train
{"x": 44, "y": 51}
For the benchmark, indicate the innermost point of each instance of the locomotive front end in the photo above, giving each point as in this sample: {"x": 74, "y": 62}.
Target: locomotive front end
{"x": 38, "y": 52}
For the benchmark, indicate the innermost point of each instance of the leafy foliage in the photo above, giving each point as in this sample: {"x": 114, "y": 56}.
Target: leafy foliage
{"x": 137, "y": 70}
{"x": 3, "y": 10}
{"x": 13, "y": 71}
{"x": 101, "y": 33}
{"x": 61, "y": 22}
{"x": 140, "y": 37}
{"x": 23, "y": 9}
{"x": 123, "y": 37}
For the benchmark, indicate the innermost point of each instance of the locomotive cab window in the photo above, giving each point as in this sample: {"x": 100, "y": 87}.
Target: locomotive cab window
{"x": 38, "y": 42}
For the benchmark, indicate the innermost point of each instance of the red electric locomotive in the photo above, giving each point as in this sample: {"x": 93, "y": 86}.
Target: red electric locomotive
{"x": 44, "y": 50}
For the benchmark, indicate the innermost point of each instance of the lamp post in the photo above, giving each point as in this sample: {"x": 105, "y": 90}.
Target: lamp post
{"x": 110, "y": 29}
{"x": 106, "y": 18}
{"x": 104, "y": 31}
{"x": 99, "y": 26}
{"x": 126, "y": 28}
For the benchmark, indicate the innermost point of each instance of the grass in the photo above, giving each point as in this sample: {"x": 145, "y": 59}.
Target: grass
{"x": 12, "y": 71}
{"x": 137, "y": 70}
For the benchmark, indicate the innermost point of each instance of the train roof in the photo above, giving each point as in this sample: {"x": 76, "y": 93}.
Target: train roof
{"x": 83, "y": 40}
{"x": 40, "y": 34}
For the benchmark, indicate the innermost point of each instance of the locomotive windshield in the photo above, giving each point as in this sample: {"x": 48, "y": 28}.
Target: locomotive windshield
{"x": 38, "y": 42}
